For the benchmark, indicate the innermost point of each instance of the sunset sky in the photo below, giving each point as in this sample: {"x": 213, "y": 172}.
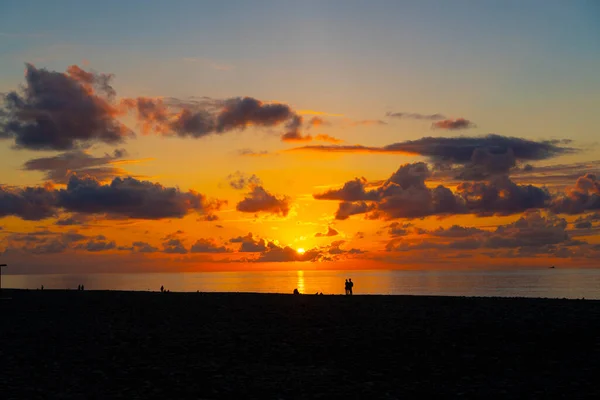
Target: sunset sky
{"x": 239, "y": 135}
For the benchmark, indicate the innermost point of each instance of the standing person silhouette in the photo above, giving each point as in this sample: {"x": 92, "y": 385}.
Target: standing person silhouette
{"x": 347, "y": 287}
{"x": 350, "y": 285}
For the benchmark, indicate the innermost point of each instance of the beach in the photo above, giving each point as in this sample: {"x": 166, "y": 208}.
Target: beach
{"x": 111, "y": 344}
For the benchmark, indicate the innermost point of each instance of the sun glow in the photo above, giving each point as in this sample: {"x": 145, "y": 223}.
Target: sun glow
{"x": 300, "y": 250}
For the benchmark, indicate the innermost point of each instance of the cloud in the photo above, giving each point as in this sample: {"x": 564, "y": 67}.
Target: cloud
{"x": 453, "y": 124}
{"x": 458, "y": 150}
{"x": 29, "y": 203}
{"x": 197, "y": 120}
{"x": 130, "y": 198}
{"x": 207, "y": 246}
{"x": 295, "y": 136}
{"x": 587, "y": 220}
{"x": 501, "y": 196}
{"x": 260, "y": 200}
{"x": 346, "y": 209}
{"x": 399, "y": 229}
{"x": 252, "y": 153}
{"x": 61, "y": 167}
{"x": 405, "y": 195}
{"x": 322, "y": 113}
{"x": 330, "y": 232}
{"x": 367, "y": 122}
{"x": 582, "y": 197}
{"x": 174, "y": 246}
{"x": 351, "y": 191}
{"x": 49, "y": 242}
{"x": 238, "y": 180}
{"x": 98, "y": 244}
{"x": 143, "y": 247}
{"x": 61, "y": 111}
{"x": 327, "y": 138}
{"x": 316, "y": 122}
{"x": 249, "y": 244}
{"x": 276, "y": 253}
{"x": 533, "y": 233}
{"x": 406, "y": 115}
{"x": 126, "y": 197}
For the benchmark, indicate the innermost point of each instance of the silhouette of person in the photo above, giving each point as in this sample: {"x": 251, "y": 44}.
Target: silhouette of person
{"x": 42, "y": 287}
{"x": 350, "y": 285}
{"x": 296, "y": 291}
{"x": 82, "y": 287}
{"x": 78, "y": 287}
{"x": 162, "y": 289}
{"x": 347, "y": 287}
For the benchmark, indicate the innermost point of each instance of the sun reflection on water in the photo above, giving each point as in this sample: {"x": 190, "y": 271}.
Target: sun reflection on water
{"x": 300, "y": 284}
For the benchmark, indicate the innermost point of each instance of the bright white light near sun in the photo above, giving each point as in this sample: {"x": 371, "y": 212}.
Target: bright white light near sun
{"x": 300, "y": 250}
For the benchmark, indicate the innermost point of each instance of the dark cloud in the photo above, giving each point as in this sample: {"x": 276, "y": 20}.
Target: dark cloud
{"x": 347, "y": 209}
{"x": 456, "y": 231}
{"x": 195, "y": 119}
{"x": 367, "y": 122}
{"x": 174, "y": 246}
{"x": 97, "y": 244}
{"x": 75, "y": 219}
{"x": 501, "y": 196}
{"x": 453, "y": 124}
{"x": 260, "y": 200}
{"x": 238, "y": 180}
{"x": 276, "y": 253}
{"x": 29, "y": 203}
{"x": 405, "y": 195}
{"x": 130, "y": 198}
{"x": 330, "y": 232}
{"x": 295, "y": 136}
{"x": 399, "y": 229}
{"x": 459, "y": 150}
{"x": 207, "y": 246}
{"x": 583, "y": 225}
{"x": 405, "y": 115}
{"x": 61, "y": 167}
{"x": 61, "y": 111}
{"x": 533, "y": 233}
{"x": 249, "y": 244}
{"x": 584, "y": 196}
{"x": 53, "y": 246}
{"x": 588, "y": 218}
{"x": 143, "y": 247}
{"x": 45, "y": 241}
{"x": 351, "y": 191}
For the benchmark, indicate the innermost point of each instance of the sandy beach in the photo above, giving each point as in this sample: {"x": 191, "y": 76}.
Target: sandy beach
{"x": 70, "y": 344}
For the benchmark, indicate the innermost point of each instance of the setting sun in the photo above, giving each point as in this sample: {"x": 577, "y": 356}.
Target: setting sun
{"x": 301, "y": 251}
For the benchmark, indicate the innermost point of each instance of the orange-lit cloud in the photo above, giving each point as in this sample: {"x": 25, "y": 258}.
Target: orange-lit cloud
{"x": 327, "y": 138}
{"x": 323, "y": 113}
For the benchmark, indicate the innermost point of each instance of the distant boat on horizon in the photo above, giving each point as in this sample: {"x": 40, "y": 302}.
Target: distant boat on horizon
{"x": 552, "y": 267}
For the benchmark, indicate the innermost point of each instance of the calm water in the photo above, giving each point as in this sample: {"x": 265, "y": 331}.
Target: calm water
{"x": 569, "y": 283}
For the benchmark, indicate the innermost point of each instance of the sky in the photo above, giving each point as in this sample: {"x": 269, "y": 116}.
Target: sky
{"x": 146, "y": 136}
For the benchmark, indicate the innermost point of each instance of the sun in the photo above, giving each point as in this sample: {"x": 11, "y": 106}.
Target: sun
{"x": 300, "y": 250}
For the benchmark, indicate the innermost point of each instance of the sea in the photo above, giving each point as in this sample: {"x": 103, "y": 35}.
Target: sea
{"x": 541, "y": 282}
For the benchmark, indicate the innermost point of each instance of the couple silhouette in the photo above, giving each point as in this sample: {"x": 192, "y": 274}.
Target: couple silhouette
{"x": 349, "y": 286}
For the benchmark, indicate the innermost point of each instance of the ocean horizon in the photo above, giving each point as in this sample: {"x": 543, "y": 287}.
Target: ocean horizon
{"x": 573, "y": 283}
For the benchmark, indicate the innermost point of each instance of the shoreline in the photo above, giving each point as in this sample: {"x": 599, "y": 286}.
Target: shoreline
{"x": 123, "y": 291}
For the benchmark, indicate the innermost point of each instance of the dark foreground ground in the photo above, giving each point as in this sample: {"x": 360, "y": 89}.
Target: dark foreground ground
{"x": 102, "y": 345}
